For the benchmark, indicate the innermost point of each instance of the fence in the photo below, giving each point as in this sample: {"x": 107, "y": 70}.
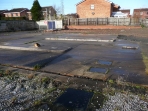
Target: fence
{"x": 16, "y": 25}
{"x": 107, "y": 21}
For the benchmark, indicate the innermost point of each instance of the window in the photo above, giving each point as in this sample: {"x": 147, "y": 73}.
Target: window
{"x": 147, "y": 12}
{"x": 141, "y": 13}
{"x": 16, "y": 14}
{"x": 92, "y": 7}
{"x": 11, "y": 14}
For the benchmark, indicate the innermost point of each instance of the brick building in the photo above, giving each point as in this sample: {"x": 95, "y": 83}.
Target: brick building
{"x": 96, "y": 8}
{"x": 2, "y": 13}
{"x": 141, "y": 13}
{"x": 48, "y": 13}
{"x": 16, "y": 12}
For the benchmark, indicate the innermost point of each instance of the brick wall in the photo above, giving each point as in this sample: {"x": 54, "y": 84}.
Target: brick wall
{"x": 102, "y": 9}
{"x": 101, "y": 27}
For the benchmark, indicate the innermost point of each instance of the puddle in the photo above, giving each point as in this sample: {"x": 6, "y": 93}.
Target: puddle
{"x": 98, "y": 70}
{"x": 74, "y": 99}
{"x": 104, "y": 62}
{"x": 129, "y": 47}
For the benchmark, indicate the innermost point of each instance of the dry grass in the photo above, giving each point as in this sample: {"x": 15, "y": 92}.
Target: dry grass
{"x": 30, "y": 76}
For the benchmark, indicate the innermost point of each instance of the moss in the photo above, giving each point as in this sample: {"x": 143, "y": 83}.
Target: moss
{"x": 145, "y": 60}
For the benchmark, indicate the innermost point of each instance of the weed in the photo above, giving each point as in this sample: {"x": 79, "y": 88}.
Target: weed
{"x": 33, "y": 41}
{"x": 111, "y": 81}
{"x": 13, "y": 100}
{"x": 45, "y": 80}
{"x": 7, "y": 72}
{"x": 37, "y": 103}
{"x": 37, "y": 67}
{"x": 30, "y": 76}
{"x": 142, "y": 25}
{"x": 145, "y": 60}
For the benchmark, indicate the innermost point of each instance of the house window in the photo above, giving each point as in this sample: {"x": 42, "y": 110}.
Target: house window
{"x": 92, "y": 7}
{"x": 147, "y": 12}
{"x": 16, "y": 14}
{"x": 141, "y": 13}
{"x": 11, "y": 14}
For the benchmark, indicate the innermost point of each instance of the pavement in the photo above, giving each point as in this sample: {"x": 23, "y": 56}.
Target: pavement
{"x": 76, "y": 56}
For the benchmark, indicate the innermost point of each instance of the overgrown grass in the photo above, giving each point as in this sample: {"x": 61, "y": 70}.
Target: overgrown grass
{"x": 145, "y": 60}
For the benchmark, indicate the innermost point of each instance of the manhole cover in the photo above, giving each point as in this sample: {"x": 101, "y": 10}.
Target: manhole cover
{"x": 98, "y": 70}
{"x": 102, "y": 62}
{"x": 74, "y": 99}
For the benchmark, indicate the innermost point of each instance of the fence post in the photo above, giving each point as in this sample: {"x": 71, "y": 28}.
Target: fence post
{"x": 117, "y": 21}
{"x": 87, "y": 21}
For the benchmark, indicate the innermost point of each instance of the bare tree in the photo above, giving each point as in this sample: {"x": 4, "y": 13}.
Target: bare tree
{"x": 57, "y": 9}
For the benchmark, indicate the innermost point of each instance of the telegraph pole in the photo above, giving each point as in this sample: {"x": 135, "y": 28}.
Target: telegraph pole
{"x": 62, "y": 6}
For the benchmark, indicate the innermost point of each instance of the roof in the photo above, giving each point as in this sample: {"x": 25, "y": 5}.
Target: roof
{"x": 47, "y": 7}
{"x": 104, "y": 0}
{"x": 119, "y": 14}
{"x": 141, "y": 9}
{"x": 125, "y": 10}
{"x": 2, "y": 11}
{"x": 16, "y": 10}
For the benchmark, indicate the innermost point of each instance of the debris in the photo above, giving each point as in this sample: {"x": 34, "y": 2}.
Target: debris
{"x": 37, "y": 45}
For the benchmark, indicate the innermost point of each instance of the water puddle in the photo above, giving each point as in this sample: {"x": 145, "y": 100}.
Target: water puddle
{"x": 129, "y": 47}
{"x": 73, "y": 99}
{"x": 102, "y": 62}
{"x": 98, "y": 70}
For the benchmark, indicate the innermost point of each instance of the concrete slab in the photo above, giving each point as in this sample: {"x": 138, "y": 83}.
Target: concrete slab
{"x": 87, "y": 54}
{"x": 53, "y": 49}
{"x": 84, "y": 54}
{"x": 25, "y": 59}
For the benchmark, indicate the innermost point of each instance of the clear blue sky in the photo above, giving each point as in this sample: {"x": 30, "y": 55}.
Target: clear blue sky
{"x": 69, "y": 5}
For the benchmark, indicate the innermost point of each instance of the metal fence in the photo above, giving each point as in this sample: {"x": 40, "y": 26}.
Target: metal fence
{"x": 107, "y": 21}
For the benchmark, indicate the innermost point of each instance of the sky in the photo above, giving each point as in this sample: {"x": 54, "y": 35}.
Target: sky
{"x": 69, "y": 5}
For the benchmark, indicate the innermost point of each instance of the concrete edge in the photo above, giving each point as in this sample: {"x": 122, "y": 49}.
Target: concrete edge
{"x": 91, "y": 40}
{"x": 34, "y": 49}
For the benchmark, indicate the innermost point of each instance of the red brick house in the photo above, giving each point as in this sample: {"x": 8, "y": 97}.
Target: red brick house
{"x": 141, "y": 13}
{"x": 2, "y": 13}
{"x": 96, "y": 8}
{"x": 16, "y": 12}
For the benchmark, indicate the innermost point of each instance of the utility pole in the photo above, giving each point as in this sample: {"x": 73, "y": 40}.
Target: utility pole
{"x": 62, "y": 6}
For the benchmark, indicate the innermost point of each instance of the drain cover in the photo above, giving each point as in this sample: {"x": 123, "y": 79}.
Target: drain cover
{"x": 98, "y": 70}
{"x": 102, "y": 62}
{"x": 74, "y": 99}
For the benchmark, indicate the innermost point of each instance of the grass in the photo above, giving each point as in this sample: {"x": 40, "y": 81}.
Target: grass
{"x": 37, "y": 67}
{"x": 145, "y": 60}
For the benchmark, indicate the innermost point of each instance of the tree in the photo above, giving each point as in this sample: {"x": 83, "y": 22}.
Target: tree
{"x": 57, "y": 9}
{"x": 36, "y": 11}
